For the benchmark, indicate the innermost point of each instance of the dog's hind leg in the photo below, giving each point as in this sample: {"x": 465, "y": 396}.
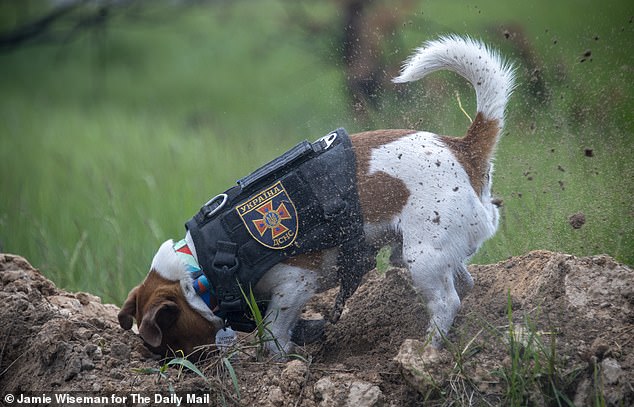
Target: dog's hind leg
{"x": 463, "y": 280}
{"x": 433, "y": 277}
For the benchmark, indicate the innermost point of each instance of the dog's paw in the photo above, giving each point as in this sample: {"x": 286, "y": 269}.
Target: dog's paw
{"x": 278, "y": 351}
{"x": 308, "y": 331}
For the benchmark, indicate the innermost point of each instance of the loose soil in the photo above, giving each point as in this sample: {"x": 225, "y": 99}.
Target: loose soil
{"x": 567, "y": 320}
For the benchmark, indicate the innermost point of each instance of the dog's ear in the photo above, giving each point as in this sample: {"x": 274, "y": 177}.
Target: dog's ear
{"x": 156, "y": 321}
{"x": 128, "y": 310}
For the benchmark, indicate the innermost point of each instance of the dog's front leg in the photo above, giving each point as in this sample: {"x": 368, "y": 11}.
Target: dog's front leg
{"x": 289, "y": 288}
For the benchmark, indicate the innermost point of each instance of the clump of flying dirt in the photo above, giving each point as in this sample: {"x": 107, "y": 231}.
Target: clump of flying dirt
{"x": 581, "y": 309}
{"x": 577, "y": 220}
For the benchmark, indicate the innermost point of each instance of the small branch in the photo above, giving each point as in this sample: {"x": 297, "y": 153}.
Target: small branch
{"x": 462, "y": 108}
{"x": 35, "y": 28}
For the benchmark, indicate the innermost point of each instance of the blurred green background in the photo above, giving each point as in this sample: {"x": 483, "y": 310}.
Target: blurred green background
{"x": 119, "y": 119}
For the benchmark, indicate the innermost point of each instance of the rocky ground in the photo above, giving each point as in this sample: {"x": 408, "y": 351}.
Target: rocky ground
{"x": 541, "y": 329}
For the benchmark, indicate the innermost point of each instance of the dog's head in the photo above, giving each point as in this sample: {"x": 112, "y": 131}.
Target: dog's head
{"x": 168, "y": 312}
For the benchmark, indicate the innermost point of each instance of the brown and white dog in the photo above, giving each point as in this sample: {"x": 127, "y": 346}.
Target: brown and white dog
{"x": 427, "y": 195}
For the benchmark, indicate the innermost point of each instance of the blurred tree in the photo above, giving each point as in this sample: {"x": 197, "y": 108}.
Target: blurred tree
{"x": 27, "y": 22}
{"x": 365, "y": 25}
{"x": 53, "y": 21}
{"x": 362, "y": 30}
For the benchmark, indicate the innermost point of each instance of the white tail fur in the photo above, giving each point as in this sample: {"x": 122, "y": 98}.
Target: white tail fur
{"x": 484, "y": 68}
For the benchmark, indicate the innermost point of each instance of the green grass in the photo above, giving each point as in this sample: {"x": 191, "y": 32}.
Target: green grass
{"x": 523, "y": 361}
{"x": 534, "y": 371}
{"x": 99, "y": 169}
{"x": 544, "y": 177}
{"x": 108, "y": 144}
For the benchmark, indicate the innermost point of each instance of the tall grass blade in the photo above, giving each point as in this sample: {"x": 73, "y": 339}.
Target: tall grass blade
{"x": 186, "y": 364}
{"x": 232, "y": 373}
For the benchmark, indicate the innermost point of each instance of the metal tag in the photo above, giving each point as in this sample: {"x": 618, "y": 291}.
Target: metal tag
{"x": 225, "y": 339}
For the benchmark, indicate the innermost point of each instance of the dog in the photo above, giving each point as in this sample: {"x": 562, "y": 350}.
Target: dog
{"x": 428, "y": 196}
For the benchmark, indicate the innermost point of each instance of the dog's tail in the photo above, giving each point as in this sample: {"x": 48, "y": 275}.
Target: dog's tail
{"x": 493, "y": 80}
{"x": 484, "y": 68}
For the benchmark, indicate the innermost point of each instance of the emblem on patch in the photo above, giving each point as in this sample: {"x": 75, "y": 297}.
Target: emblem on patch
{"x": 270, "y": 217}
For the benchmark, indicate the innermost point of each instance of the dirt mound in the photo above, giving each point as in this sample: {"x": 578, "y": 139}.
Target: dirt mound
{"x": 541, "y": 328}
{"x": 56, "y": 341}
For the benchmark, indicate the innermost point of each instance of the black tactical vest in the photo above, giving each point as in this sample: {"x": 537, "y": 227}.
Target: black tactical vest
{"x": 303, "y": 201}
